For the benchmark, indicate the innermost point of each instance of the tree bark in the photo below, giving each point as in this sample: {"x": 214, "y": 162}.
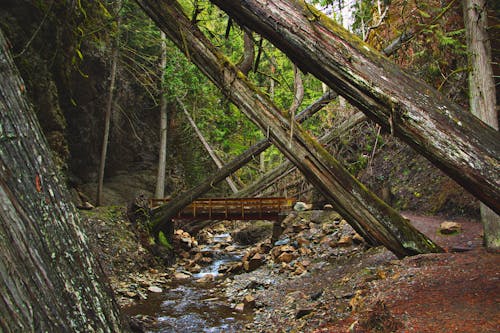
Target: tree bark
{"x": 49, "y": 279}
{"x": 450, "y": 137}
{"x": 109, "y": 106}
{"x": 370, "y": 216}
{"x": 162, "y": 158}
{"x": 206, "y": 145}
{"x": 169, "y": 210}
{"x": 482, "y": 98}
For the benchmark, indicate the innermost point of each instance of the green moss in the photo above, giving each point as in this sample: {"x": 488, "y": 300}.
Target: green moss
{"x": 164, "y": 241}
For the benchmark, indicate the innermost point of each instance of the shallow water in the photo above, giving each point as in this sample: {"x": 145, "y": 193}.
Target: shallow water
{"x": 187, "y": 306}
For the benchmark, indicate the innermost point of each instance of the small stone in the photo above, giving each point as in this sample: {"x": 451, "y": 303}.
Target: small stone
{"x": 240, "y": 307}
{"x": 357, "y": 238}
{"x": 231, "y": 248}
{"x": 249, "y": 301}
{"x": 301, "y": 206}
{"x": 283, "y": 241}
{"x": 285, "y": 257}
{"x": 303, "y": 312}
{"x": 155, "y": 289}
{"x": 130, "y": 294}
{"x": 448, "y": 227}
{"x": 345, "y": 241}
{"x": 181, "y": 276}
{"x": 206, "y": 278}
{"x": 328, "y": 207}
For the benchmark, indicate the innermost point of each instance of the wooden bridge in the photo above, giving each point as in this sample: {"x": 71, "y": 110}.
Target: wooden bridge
{"x": 272, "y": 209}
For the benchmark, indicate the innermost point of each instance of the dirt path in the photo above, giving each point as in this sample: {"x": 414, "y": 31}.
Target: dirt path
{"x": 456, "y": 291}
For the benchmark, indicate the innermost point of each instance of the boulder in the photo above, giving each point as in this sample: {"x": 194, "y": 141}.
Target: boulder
{"x": 286, "y": 257}
{"x": 448, "y": 227}
{"x": 155, "y": 289}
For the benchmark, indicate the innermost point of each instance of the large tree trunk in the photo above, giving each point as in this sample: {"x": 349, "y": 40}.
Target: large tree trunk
{"x": 169, "y": 210}
{"x": 482, "y": 96}
{"x": 49, "y": 279}
{"x": 369, "y": 215}
{"x": 458, "y": 143}
{"x": 162, "y": 156}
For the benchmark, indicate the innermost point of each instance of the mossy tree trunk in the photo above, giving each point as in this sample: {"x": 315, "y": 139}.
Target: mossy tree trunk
{"x": 49, "y": 279}
{"x": 458, "y": 143}
{"x": 369, "y": 215}
{"x": 270, "y": 177}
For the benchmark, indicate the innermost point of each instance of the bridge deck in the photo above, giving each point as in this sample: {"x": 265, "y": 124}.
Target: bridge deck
{"x": 232, "y": 208}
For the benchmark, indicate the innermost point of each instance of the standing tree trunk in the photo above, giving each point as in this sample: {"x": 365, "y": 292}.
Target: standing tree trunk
{"x": 482, "y": 98}
{"x": 450, "y": 137}
{"x": 162, "y": 159}
{"x": 49, "y": 279}
{"x": 109, "y": 106}
{"x": 370, "y": 216}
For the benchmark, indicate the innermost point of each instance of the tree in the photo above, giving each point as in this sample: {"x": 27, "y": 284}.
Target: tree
{"x": 162, "y": 158}
{"x": 482, "y": 97}
{"x": 109, "y": 105}
{"x": 49, "y": 279}
{"x": 452, "y": 139}
{"x": 371, "y": 217}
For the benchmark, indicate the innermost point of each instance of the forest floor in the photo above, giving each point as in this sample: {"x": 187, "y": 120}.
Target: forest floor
{"x": 332, "y": 285}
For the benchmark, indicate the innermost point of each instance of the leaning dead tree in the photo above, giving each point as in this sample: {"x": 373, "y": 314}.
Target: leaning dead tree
{"x": 450, "y": 137}
{"x": 370, "y": 216}
{"x": 270, "y": 177}
{"x": 49, "y": 279}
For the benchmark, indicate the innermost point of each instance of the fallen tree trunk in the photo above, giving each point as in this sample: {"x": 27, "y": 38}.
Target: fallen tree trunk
{"x": 451, "y": 138}
{"x": 370, "y": 216}
{"x": 169, "y": 210}
{"x": 270, "y": 177}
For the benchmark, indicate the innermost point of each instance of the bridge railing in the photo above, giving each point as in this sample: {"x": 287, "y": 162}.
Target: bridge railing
{"x": 233, "y": 208}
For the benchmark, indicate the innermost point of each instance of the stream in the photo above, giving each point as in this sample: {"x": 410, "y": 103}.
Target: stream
{"x": 189, "y": 306}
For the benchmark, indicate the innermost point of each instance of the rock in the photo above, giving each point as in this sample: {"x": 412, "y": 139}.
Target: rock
{"x": 287, "y": 248}
{"x": 301, "y": 206}
{"x": 155, "y": 289}
{"x": 194, "y": 269}
{"x": 130, "y": 294}
{"x": 286, "y": 257}
{"x": 328, "y": 207}
{"x": 240, "y": 307}
{"x": 206, "y": 278}
{"x": 255, "y": 262}
{"x": 345, "y": 241}
{"x": 303, "y": 312}
{"x": 358, "y": 239}
{"x": 448, "y": 227}
{"x": 181, "y": 276}
{"x": 283, "y": 241}
{"x": 249, "y": 302}
{"x": 302, "y": 241}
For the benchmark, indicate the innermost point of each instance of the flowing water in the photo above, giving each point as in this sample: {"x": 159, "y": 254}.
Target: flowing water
{"x": 188, "y": 306}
